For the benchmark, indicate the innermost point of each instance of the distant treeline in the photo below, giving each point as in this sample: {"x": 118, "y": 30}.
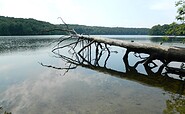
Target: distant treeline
{"x": 95, "y": 30}
{"x": 20, "y": 26}
{"x": 168, "y": 29}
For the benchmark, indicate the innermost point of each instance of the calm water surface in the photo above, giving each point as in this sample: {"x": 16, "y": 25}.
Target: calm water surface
{"x": 26, "y": 87}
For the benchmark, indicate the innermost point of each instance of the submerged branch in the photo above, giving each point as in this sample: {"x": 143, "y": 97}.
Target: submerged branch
{"x": 59, "y": 68}
{"x": 90, "y": 52}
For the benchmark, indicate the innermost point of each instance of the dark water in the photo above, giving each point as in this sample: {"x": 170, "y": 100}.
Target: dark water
{"x": 26, "y": 87}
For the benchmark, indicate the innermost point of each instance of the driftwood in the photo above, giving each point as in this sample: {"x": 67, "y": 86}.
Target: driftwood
{"x": 95, "y": 52}
{"x": 165, "y": 54}
{"x": 156, "y": 51}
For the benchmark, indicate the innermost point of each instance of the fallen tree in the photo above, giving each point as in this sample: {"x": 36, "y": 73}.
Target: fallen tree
{"x": 95, "y": 52}
{"x": 93, "y": 49}
{"x": 164, "y": 53}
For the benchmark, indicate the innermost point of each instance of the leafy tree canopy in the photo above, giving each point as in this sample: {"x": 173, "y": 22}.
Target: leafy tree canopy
{"x": 168, "y": 29}
{"x": 181, "y": 10}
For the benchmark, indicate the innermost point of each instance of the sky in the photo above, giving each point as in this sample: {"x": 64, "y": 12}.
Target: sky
{"x": 108, "y": 13}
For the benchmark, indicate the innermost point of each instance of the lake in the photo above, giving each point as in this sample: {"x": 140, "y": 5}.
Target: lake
{"x": 27, "y": 87}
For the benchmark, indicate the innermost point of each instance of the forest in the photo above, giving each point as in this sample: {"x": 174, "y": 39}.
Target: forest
{"x": 168, "y": 29}
{"x": 173, "y": 29}
{"x": 21, "y": 26}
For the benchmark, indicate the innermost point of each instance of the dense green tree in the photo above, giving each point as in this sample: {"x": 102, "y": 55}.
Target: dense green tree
{"x": 156, "y": 30}
{"x": 171, "y": 29}
{"x": 181, "y": 10}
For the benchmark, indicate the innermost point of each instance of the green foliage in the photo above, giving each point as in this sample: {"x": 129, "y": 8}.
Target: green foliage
{"x": 181, "y": 10}
{"x": 94, "y": 30}
{"x": 171, "y": 29}
{"x": 20, "y": 26}
{"x": 159, "y": 30}
{"x": 183, "y": 41}
{"x": 165, "y": 38}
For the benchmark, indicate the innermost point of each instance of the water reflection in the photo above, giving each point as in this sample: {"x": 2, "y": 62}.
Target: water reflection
{"x": 151, "y": 78}
{"x": 100, "y": 56}
{"x": 22, "y": 43}
{"x": 156, "y": 74}
{"x": 168, "y": 39}
{"x": 29, "y": 88}
{"x": 81, "y": 93}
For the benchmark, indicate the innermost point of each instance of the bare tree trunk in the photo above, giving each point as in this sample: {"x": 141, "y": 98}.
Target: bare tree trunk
{"x": 159, "y": 52}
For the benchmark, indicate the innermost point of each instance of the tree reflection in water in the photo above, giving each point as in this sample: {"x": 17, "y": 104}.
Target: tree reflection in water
{"x": 96, "y": 56}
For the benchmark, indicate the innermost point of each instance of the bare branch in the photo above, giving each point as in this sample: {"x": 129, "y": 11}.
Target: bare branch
{"x": 64, "y": 22}
{"x": 58, "y": 68}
